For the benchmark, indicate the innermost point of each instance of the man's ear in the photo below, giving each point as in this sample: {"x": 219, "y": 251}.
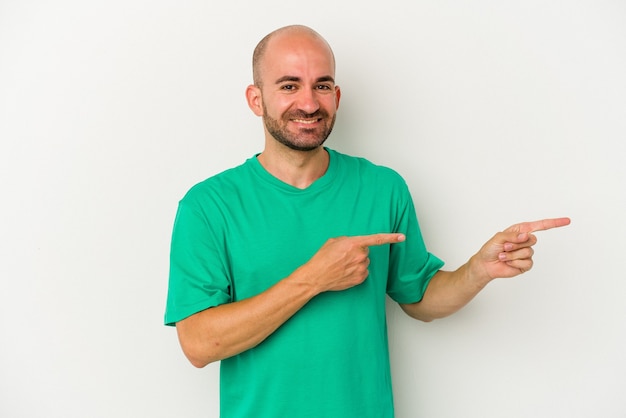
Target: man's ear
{"x": 254, "y": 99}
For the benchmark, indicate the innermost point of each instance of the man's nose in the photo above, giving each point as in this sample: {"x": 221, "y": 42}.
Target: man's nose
{"x": 307, "y": 101}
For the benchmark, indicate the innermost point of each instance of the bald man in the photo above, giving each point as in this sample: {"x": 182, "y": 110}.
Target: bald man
{"x": 280, "y": 267}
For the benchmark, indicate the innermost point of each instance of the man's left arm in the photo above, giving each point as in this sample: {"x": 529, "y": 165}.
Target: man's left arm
{"x": 508, "y": 254}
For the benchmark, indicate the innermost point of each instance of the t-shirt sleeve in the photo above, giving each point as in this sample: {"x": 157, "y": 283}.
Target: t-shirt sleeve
{"x": 411, "y": 266}
{"x": 198, "y": 276}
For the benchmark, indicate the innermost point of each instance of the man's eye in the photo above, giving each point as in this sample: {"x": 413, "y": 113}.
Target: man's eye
{"x": 323, "y": 87}
{"x": 288, "y": 87}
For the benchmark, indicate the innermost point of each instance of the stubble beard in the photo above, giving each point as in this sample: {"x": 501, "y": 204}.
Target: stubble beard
{"x": 299, "y": 141}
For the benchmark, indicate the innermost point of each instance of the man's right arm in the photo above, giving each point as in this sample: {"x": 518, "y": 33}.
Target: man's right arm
{"x": 229, "y": 329}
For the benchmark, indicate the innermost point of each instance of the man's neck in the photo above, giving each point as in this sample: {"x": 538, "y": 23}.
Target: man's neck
{"x": 297, "y": 168}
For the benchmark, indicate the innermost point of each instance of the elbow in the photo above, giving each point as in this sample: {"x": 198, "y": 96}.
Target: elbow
{"x": 425, "y": 319}
{"x": 201, "y": 356}
{"x": 199, "y": 353}
{"x": 416, "y": 311}
{"x": 198, "y": 363}
{"x": 199, "y": 360}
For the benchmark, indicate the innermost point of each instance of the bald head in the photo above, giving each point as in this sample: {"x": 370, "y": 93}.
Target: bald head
{"x": 292, "y": 32}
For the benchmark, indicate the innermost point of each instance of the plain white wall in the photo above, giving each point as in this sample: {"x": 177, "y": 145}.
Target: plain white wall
{"x": 494, "y": 111}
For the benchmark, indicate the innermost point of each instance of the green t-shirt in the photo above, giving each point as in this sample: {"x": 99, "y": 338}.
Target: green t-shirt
{"x": 239, "y": 232}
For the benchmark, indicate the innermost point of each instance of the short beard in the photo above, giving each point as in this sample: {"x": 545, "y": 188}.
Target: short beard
{"x": 290, "y": 140}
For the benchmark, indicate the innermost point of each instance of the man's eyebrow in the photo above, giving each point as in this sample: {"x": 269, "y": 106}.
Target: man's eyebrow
{"x": 295, "y": 79}
{"x": 325, "y": 79}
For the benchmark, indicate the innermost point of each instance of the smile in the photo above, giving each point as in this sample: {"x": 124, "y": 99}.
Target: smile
{"x": 306, "y": 121}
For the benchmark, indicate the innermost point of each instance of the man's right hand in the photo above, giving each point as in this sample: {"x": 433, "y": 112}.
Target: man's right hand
{"x": 342, "y": 263}
{"x": 226, "y": 330}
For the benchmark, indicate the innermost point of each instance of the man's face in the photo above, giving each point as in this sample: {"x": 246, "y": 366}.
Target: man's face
{"x": 299, "y": 96}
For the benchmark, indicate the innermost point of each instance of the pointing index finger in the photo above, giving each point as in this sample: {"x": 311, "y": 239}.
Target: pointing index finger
{"x": 379, "y": 239}
{"x": 543, "y": 224}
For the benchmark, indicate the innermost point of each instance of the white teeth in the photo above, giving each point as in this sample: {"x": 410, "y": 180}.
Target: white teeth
{"x": 304, "y": 121}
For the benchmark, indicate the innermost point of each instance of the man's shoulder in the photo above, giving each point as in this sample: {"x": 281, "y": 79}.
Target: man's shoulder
{"x": 221, "y": 183}
{"x": 367, "y": 168}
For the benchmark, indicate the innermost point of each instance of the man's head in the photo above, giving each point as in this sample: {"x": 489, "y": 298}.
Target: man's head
{"x": 294, "y": 88}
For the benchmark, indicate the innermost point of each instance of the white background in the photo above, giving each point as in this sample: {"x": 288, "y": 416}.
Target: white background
{"x": 495, "y": 112}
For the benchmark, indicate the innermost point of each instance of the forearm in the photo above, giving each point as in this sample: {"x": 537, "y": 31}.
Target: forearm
{"x": 448, "y": 292}
{"x": 507, "y": 254}
{"x": 226, "y": 330}
{"x": 229, "y": 329}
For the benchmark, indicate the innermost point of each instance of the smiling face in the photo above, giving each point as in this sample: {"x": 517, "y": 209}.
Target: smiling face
{"x": 295, "y": 91}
